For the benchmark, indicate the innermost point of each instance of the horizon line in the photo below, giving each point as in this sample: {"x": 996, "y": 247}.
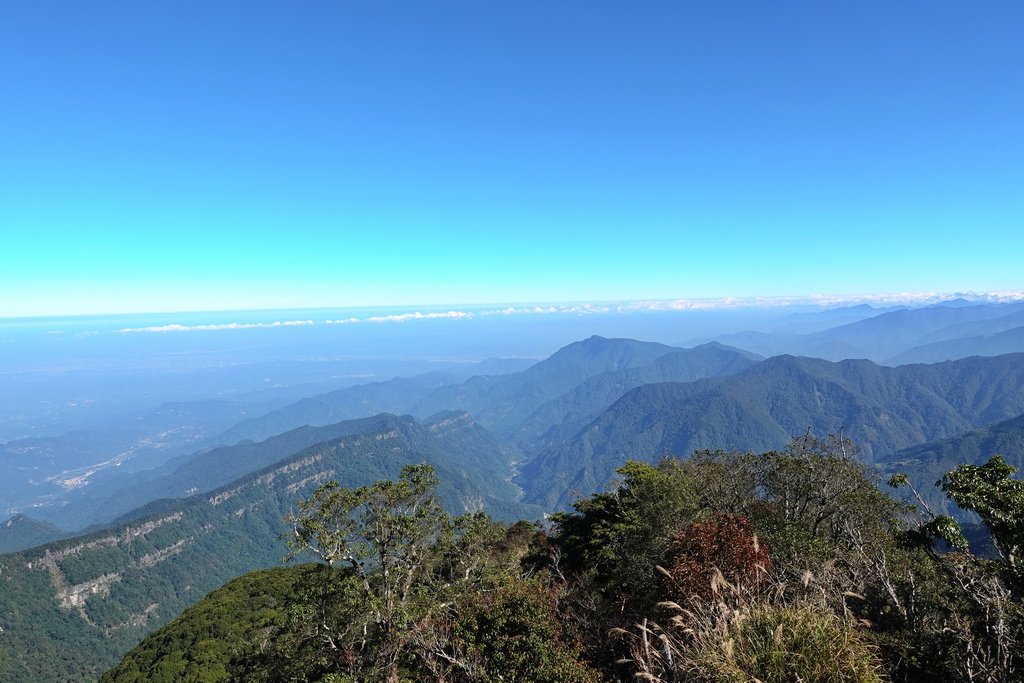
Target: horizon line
{"x": 678, "y": 304}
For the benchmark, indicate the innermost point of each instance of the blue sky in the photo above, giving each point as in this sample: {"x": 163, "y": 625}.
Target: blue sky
{"x": 225, "y": 155}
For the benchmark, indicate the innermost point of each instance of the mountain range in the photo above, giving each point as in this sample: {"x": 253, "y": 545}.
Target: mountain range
{"x": 946, "y": 331}
{"x": 517, "y": 444}
{"x": 70, "y": 608}
{"x": 882, "y": 409}
{"x": 592, "y": 374}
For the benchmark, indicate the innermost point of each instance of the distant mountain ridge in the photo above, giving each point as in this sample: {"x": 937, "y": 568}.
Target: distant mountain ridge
{"x": 882, "y": 409}
{"x": 397, "y": 395}
{"x": 562, "y": 417}
{"x": 197, "y": 473}
{"x": 890, "y": 337}
{"x": 392, "y": 396}
{"x": 1005, "y": 341}
{"x": 501, "y": 402}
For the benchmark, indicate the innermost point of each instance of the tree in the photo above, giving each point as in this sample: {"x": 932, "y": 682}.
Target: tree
{"x": 987, "y": 618}
{"x": 618, "y": 538}
{"x": 441, "y": 597}
{"x": 390, "y": 526}
{"x": 998, "y": 499}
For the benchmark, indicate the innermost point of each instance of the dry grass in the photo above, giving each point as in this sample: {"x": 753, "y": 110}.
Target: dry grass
{"x": 754, "y": 635}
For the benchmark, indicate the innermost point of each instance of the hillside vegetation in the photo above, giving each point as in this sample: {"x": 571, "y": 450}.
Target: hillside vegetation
{"x": 789, "y": 565}
{"x": 70, "y": 609}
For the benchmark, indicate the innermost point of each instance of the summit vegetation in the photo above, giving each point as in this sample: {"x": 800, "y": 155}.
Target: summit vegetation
{"x": 793, "y": 564}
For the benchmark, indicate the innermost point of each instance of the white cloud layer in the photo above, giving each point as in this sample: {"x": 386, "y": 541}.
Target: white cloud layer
{"x": 659, "y": 305}
{"x": 396, "y": 318}
{"x": 580, "y": 309}
{"x": 402, "y": 317}
{"x": 216, "y": 327}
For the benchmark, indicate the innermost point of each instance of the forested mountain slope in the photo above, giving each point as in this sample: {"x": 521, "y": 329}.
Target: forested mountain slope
{"x": 563, "y": 416}
{"x": 502, "y": 402}
{"x": 205, "y": 471}
{"x": 70, "y": 609}
{"x": 225, "y": 623}
{"x": 925, "y": 464}
{"x": 882, "y": 409}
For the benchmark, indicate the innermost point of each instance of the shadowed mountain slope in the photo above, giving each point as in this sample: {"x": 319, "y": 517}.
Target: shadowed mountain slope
{"x": 393, "y": 396}
{"x": 21, "y": 531}
{"x": 882, "y": 409}
{"x": 995, "y": 344}
{"x": 927, "y": 463}
{"x": 564, "y": 416}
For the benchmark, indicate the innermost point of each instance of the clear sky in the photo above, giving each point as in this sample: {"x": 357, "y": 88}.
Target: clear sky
{"x": 212, "y": 155}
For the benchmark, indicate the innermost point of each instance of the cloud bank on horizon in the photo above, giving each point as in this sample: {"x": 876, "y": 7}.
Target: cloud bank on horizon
{"x": 649, "y": 306}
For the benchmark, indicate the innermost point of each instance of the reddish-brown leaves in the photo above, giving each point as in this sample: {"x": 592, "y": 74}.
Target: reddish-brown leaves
{"x": 725, "y": 543}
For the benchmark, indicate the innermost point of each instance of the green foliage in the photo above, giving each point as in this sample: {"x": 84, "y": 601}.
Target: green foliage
{"x": 998, "y": 499}
{"x": 945, "y": 528}
{"x": 820, "y": 501}
{"x": 384, "y": 521}
{"x": 316, "y": 636}
{"x": 391, "y": 524}
{"x": 617, "y": 539}
{"x": 512, "y": 634}
{"x": 820, "y": 516}
{"x": 207, "y": 642}
{"x": 419, "y": 594}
